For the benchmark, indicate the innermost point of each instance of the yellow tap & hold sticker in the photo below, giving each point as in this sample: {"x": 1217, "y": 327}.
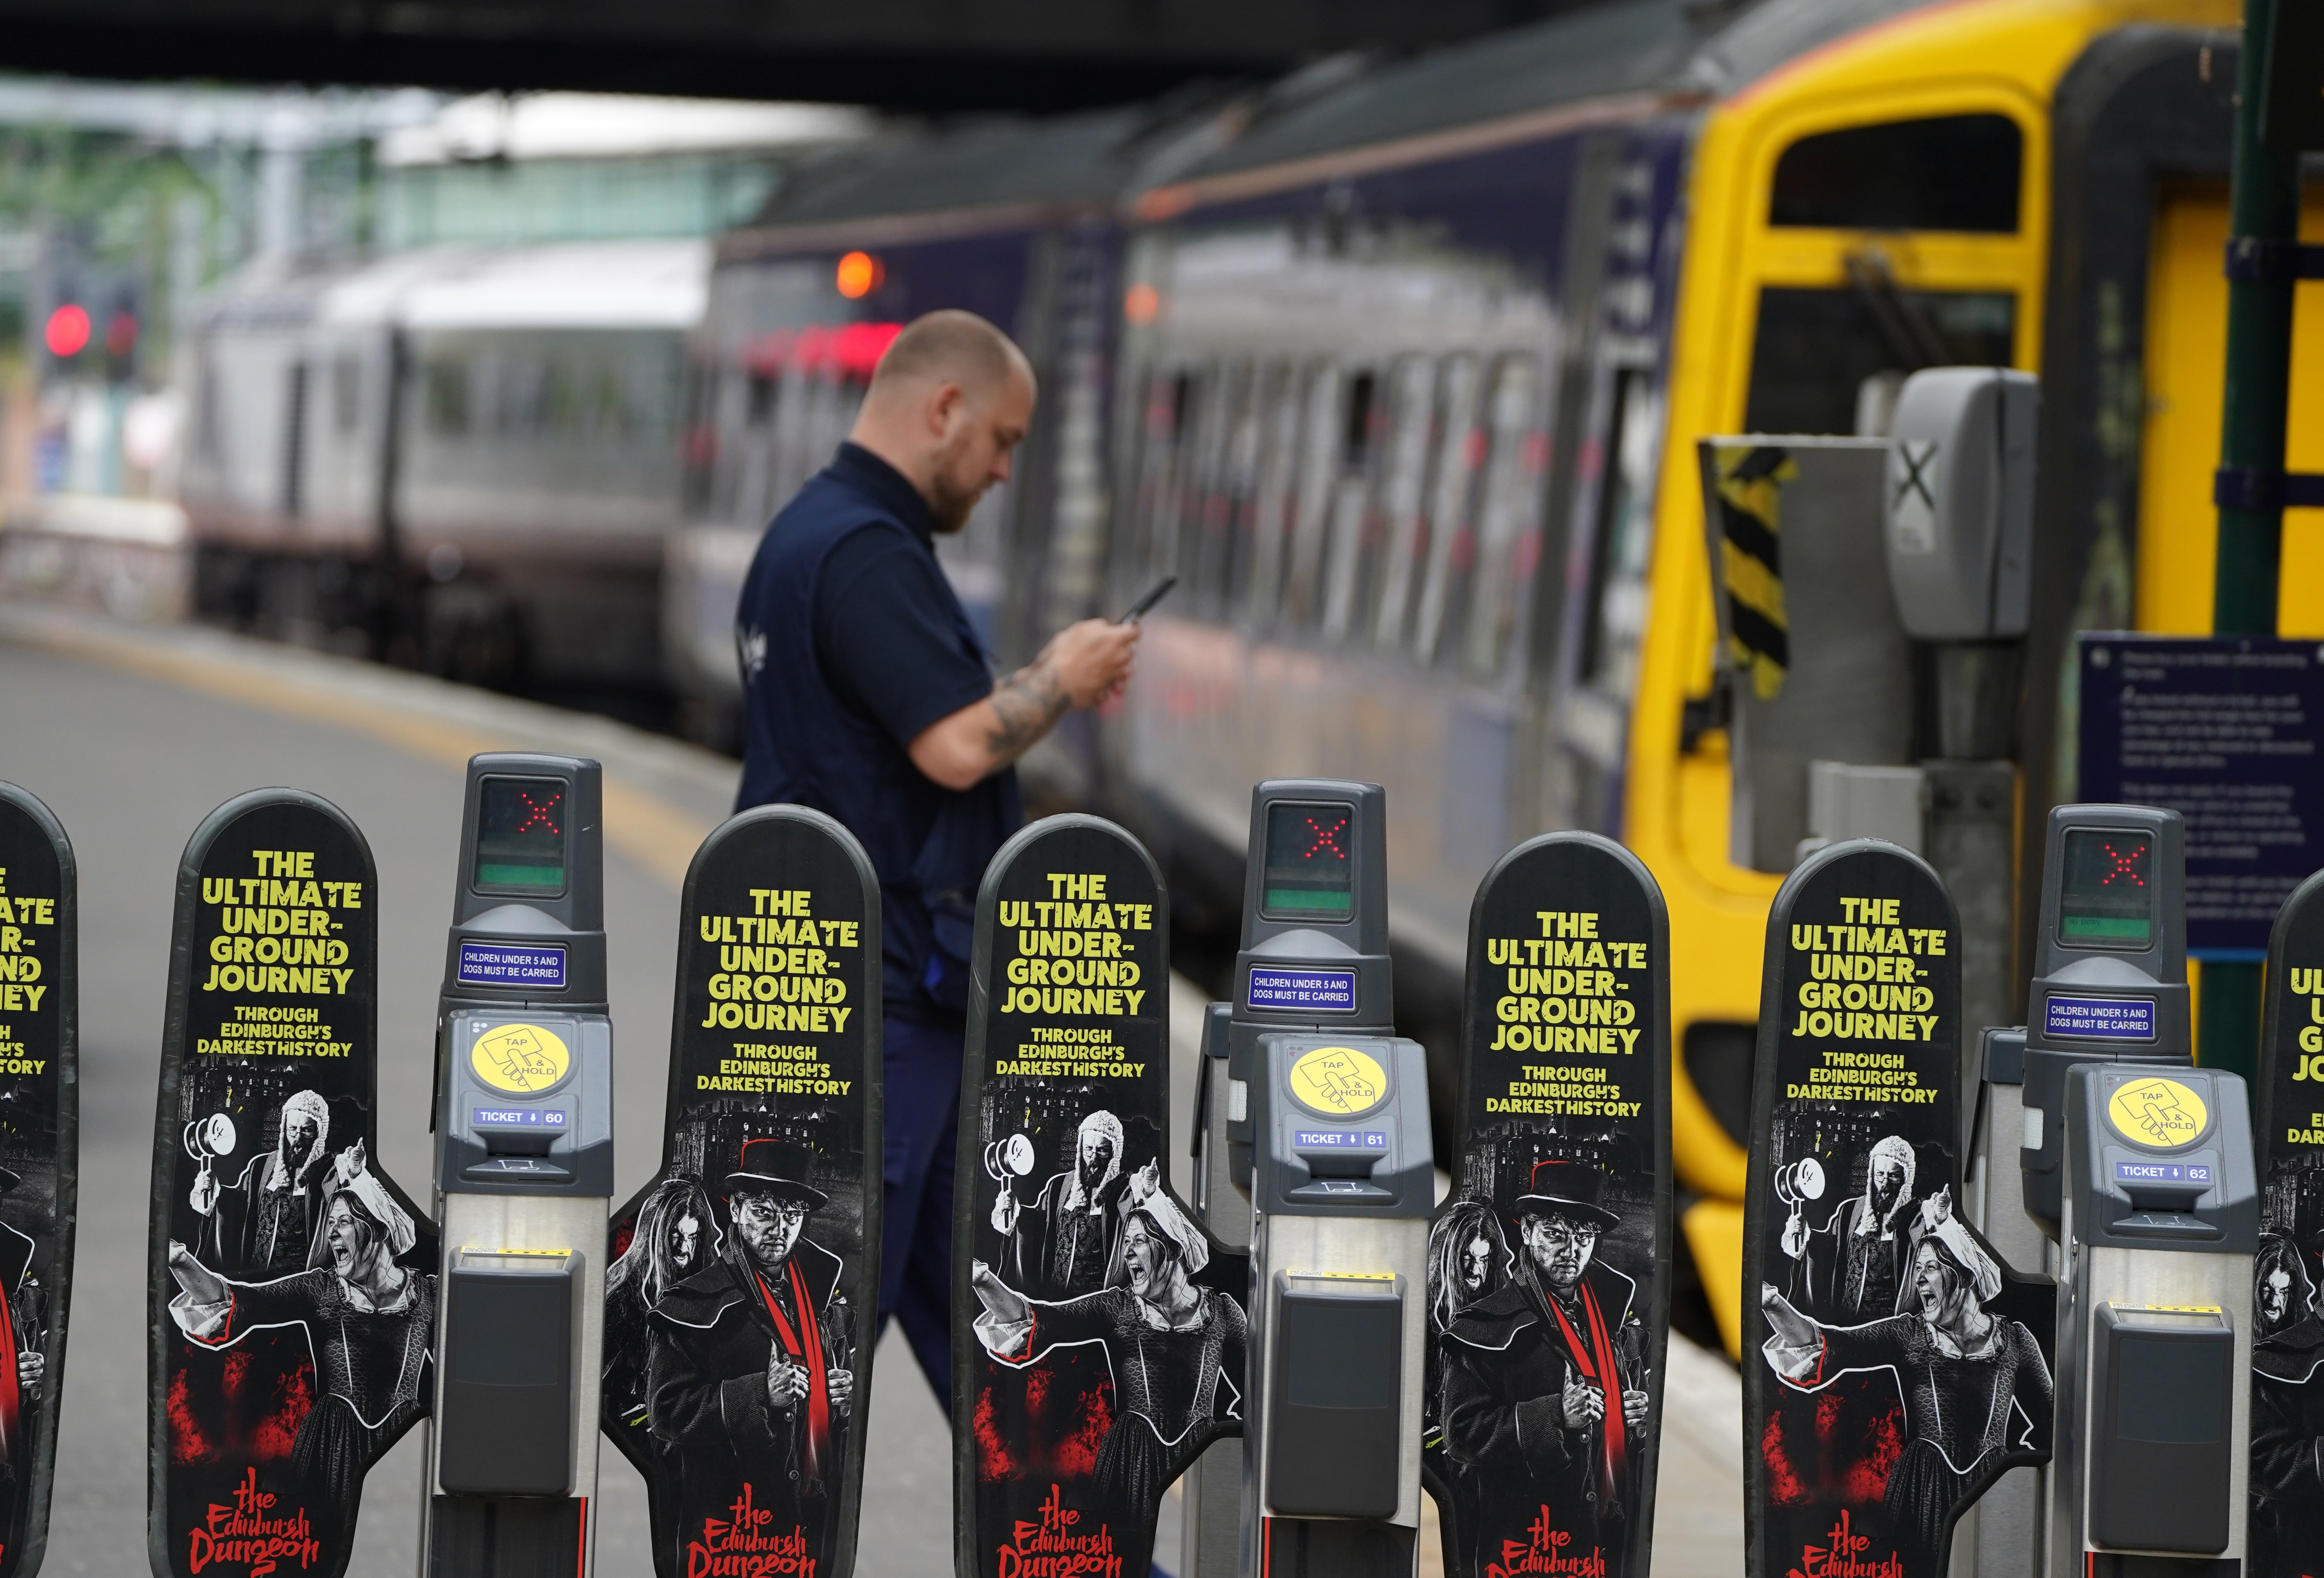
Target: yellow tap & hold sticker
{"x": 1338, "y": 1082}
{"x": 2158, "y": 1114}
{"x": 522, "y": 1059}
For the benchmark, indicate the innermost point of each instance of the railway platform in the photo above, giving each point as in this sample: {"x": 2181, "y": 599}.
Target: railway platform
{"x": 134, "y": 733}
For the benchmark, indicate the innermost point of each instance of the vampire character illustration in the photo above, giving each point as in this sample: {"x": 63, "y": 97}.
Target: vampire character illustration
{"x": 1543, "y": 1380}
{"x": 677, "y": 1236}
{"x": 370, "y": 1325}
{"x": 749, "y": 1381}
{"x": 1175, "y": 1350}
{"x": 1974, "y": 1383}
{"x": 2287, "y": 1413}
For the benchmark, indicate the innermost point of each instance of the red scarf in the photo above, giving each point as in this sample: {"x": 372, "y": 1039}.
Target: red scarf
{"x": 1595, "y": 1359}
{"x": 806, "y": 1346}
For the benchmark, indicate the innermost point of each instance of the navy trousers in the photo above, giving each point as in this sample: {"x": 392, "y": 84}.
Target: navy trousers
{"x": 922, "y": 1101}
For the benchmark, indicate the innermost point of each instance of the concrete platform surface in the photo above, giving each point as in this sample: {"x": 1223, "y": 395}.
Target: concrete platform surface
{"x": 133, "y": 733}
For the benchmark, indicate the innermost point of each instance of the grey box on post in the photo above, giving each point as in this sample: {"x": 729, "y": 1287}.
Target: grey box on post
{"x": 507, "y": 1424}
{"x": 2162, "y": 1449}
{"x": 1332, "y": 1444}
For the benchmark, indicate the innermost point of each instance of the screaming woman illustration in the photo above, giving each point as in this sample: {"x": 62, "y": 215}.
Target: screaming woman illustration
{"x": 1974, "y": 1383}
{"x": 370, "y": 1325}
{"x": 1175, "y": 1350}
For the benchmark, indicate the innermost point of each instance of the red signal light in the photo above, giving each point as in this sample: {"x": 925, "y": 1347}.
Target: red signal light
{"x": 67, "y": 331}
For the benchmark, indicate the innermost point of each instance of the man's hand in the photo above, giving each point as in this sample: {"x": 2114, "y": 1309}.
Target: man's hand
{"x": 841, "y": 1385}
{"x": 29, "y": 1366}
{"x": 1091, "y": 660}
{"x": 1083, "y": 665}
{"x": 786, "y": 1382}
{"x": 1584, "y": 1403}
{"x": 1634, "y": 1408}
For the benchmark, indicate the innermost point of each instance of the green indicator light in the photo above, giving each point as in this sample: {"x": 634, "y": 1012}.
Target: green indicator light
{"x": 2114, "y": 928}
{"x": 494, "y": 875}
{"x": 1306, "y": 898}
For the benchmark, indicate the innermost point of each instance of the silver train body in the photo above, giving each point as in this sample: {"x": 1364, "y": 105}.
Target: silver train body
{"x": 462, "y": 459}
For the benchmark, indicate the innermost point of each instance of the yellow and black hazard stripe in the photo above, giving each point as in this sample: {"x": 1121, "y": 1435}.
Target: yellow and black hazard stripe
{"x": 1751, "y": 477}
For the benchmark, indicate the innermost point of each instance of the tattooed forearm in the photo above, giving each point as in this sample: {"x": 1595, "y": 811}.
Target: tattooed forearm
{"x": 1026, "y": 706}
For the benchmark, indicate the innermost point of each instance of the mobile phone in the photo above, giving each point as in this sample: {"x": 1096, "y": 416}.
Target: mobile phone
{"x": 1154, "y": 594}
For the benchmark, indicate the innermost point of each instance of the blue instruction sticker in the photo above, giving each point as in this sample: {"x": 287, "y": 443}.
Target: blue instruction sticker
{"x": 1338, "y": 1139}
{"x": 516, "y": 1117}
{"x": 2103, "y": 1018}
{"x": 2163, "y": 1172}
{"x": 1323, "y": 990}
{"x": 504, "y": 965}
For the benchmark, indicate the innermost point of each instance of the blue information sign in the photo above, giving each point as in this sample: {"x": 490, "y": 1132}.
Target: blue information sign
{"x": 504, "y": 965}
{"x": 2225, "y": 732}
{"x": 2101, "y": 1018}
{"x": 1318, "y": 991}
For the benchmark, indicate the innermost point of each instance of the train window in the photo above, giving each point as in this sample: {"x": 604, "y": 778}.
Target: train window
{"x": 1402, "y": 488}
{"x": 1947, "y": 173}
{"x": 447, "y": 385}
{"x": 1459, "y": 447}
{"x": 1245, "y": 443}
{"x": 759, "y": 399}
{"x": 1222, "y": 486}
{"x": 1319, "y": 430}
{"x": 1813, "y": 349}
{"x": 1508, "y": 518}
{"x": 1614, "y": 613}
{"x": 347, "y": 393}
{"x": 1354, "y": 556}
{"x": 1272, "y": 510}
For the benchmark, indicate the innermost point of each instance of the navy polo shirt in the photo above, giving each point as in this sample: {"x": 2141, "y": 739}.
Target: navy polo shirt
{"x": 852, "y": 643}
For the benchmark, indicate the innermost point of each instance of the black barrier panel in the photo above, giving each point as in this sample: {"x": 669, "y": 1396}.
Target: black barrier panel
{"x": 39, "y": 1143}
{"x": 1098, "y": 1337}
{"x": 742, "y": 1287}
{"x": 293, "y": 1286}
{"x": 1549, "y": 1266}
{"x": 1894, "y": 1366}
{"x": 2287, "y": 1395}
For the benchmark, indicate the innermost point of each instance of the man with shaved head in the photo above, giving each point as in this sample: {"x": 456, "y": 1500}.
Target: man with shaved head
{"x": 869, "y": 696}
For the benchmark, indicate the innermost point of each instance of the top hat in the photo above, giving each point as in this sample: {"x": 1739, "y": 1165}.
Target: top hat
{"x": 775, "y": 1166}
{"x": 1567, "y": 1189}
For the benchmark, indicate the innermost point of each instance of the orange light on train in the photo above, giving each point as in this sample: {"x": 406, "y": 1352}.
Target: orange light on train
{"x": 860, "y": 274}
{"x": 1141, "y": 303}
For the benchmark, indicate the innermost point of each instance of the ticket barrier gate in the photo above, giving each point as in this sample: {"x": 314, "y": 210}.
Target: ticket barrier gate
{"x": 524, "y": 1170}
{"x": 2135, "y": 1184}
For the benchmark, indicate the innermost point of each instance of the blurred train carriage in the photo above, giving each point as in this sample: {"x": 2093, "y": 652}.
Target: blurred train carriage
{"x": 464, "y": 459}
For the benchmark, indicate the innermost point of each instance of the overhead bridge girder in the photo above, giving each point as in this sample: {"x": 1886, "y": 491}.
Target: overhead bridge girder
{"x": 927, "y": 55}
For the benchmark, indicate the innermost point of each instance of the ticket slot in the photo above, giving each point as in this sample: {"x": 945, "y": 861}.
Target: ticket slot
{"x": 2161, "y": 1449}
{"x": 1331, "y": 1441}
{"x": 507, "y": 1427}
